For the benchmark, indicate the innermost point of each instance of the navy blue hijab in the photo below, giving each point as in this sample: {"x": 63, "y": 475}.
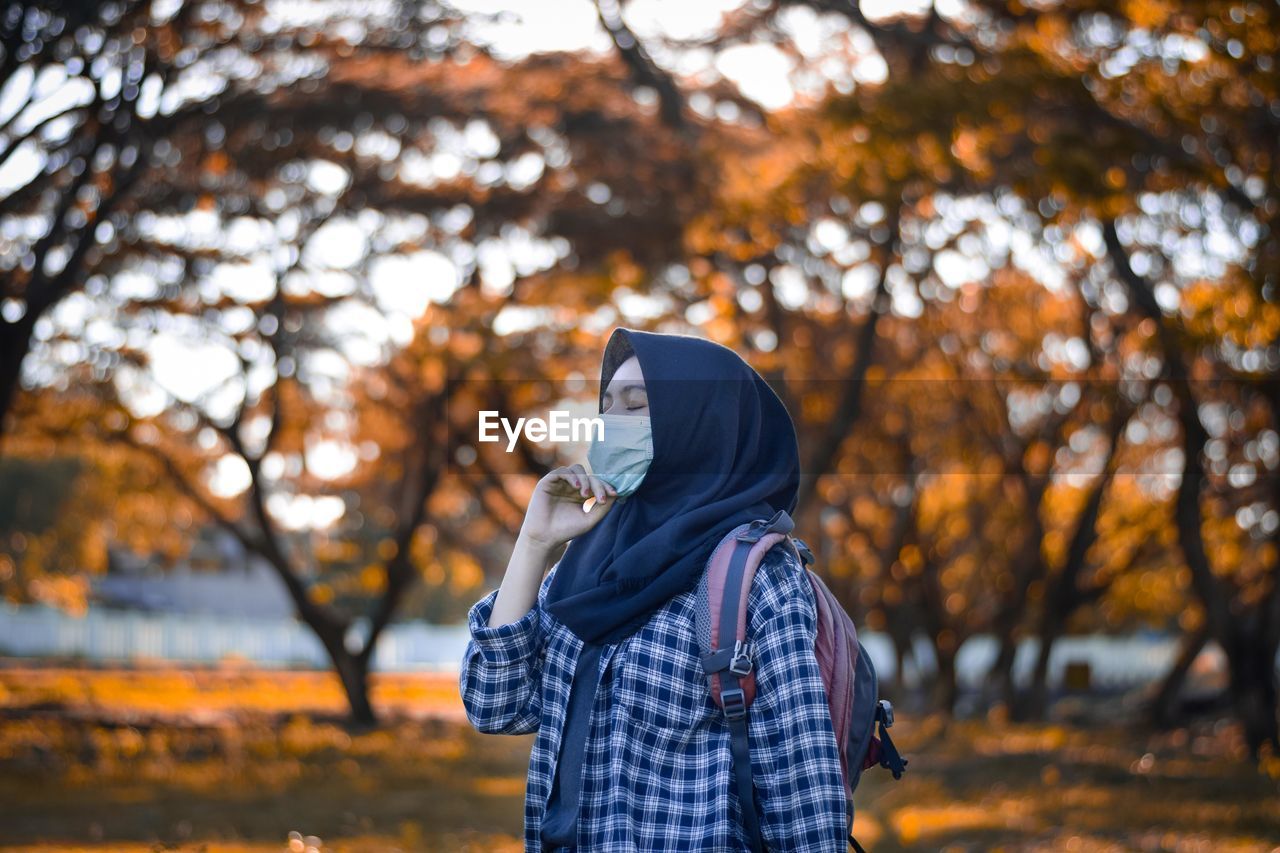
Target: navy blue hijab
{"x": 724, "y": 452}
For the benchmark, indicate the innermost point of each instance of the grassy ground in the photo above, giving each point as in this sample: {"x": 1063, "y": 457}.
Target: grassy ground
{"x": 251, "y": 760}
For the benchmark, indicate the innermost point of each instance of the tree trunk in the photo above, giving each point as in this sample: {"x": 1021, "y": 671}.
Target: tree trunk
{"x": 1027, "y": 568}
{"x": 901, "y": 653}
{"x": 1036, "y": 704}
{"x": 352, "y": 670}
{"x": 899, "y": 667}
{"x": 1253, "y": 689}
{"x": 15, "y": 341}
{"x": 1163, "y": 710}
{"x": 999, "y": 685}
{"x": 1063, "y": 594}
{"x": 946, "y": 686}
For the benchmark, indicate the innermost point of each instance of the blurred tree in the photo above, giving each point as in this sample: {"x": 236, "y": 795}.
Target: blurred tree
{"x": 1069, "y": 586}
{"x": 1149, "y": 129}
{"x": 92, "y": 91}
{"x": 299, "y": 280}
{"x": 990, "y": 255}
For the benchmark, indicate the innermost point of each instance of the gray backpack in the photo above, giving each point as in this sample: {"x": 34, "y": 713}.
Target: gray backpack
{"x": 847, "y": 672}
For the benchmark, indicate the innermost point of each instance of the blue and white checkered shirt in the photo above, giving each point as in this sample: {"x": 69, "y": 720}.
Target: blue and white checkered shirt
{"x": 657, "y": 775}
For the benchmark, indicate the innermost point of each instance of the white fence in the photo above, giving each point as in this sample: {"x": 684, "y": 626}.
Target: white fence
{"x": 121, "y": 636}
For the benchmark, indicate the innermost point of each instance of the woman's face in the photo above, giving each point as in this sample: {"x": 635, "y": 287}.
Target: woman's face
{"x": 625, "y": 394}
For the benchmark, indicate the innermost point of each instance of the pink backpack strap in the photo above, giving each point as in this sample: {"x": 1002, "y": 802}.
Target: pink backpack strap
{"x": 728, "y": 664}
{"x": 730, "y": 572}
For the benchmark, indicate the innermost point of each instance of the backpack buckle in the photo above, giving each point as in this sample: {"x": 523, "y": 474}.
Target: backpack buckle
{"x": 889, "y": 755}
{"x": 735, "y": 703}
{"x": 740, "y": 663}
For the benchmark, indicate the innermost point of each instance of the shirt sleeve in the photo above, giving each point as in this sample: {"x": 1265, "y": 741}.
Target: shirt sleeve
{"x": 795, "y": 760}
{"x": 501, "y": 674}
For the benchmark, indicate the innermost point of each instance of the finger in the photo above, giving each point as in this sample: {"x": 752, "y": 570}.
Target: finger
{"x": 595, "y": 508}
{"x": 561, "y": 488}
{"x": 581, "y": 479}
{"x": 578, "y": 481}
{"x": 560, "y": 483}
{"x": 598, "y": 488}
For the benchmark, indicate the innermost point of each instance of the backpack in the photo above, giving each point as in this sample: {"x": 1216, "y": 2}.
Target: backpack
{"x": 847, "y": 672}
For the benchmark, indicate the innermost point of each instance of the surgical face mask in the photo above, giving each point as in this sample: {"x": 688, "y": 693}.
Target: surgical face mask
{"x": 622, "y": 457}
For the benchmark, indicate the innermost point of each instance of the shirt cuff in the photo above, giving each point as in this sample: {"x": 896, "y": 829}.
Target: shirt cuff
{"x": 503, "y": 644}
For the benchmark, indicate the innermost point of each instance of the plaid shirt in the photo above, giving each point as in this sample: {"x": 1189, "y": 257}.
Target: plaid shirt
{"x": 657, "y": 775}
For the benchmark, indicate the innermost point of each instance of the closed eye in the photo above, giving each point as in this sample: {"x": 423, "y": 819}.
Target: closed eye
{"x": 634, "y": 398}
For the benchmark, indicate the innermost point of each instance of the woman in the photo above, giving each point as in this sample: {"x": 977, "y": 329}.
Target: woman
{"x": 601, "y": 658}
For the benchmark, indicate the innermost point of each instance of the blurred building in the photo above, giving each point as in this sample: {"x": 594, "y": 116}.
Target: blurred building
{"x": 217, "y": 578}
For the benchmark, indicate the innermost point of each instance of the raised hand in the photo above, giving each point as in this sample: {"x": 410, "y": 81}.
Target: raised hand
{"x": 556, "y": 510}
